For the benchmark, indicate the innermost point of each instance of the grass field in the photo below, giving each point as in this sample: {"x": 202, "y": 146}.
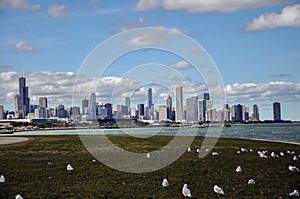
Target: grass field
{"x": 28, "y": 171}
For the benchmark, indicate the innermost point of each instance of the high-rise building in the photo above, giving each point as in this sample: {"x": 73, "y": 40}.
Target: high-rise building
{"x": 276, "y": 111}
{"x": 206, "y": 96}
{"x": 127, "y": 103}
{"x": 85, "y": 105}
{"x": 141, "y": 110}
{"x": 92, "y": 107}
{"x": 1, "y": 113}
{"x": 61, "y": 112}
{"x": 192, "y": 109}
{"x": 163, "y": 113}
{"x": 169, "y": 107}
{"x": 43, "y": 102}
{"x": 239, "y": 113}
{"x": 201, "y": 111}
{"x": 150, "y": 102}
{"x": 255, "y": 115}
{"x": 23, "y": 99}
{"x": 179, "y": 103}
{"x": 109, "y": 108}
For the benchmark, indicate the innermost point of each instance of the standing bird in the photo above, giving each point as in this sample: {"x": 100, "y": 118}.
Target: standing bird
{"x": 165, "y": 182}
{"x": 2, "y": 179}
{"x": 218, "y": 190}
{"x": 19, "y": 196}
{"x": 239, "y": 169}
{"x": 295, "y": 158}
{"x": 274, "y": 155}
{"x": 148, "y": 155}
{"x": 69, "y": 167}
{"x": 251, "y": 182}
{"x": 186, "y": 191}
{"x": 189, "y": 149}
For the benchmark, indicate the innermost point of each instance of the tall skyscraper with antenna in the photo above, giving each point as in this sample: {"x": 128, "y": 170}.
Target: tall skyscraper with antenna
{"x": 23, "y": 99}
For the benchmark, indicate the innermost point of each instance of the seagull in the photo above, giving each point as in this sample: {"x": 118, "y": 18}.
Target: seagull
{"x": 94, "y": 160}
{"x": 251, "y": 150}
{"x": 239, "y": 169}
{"x": 69, "y": 167}
{"x": 19, "y": 196}
{"x": 244, "y": 150}
{"x": 218, "y": 190}
{"x": 165, "y": 182}
{"x": 274, "y": 155}
{"x": 292, "y": 152}
{"x": 198, "y": 150}
{"x": 189, "y": 149}
{"x": 295, "y": 193}
{"x": 295, "y": 158}
{"x": 148, "y": 155}
{"x": 238, "y": 152}
{"x": 281, "y": 154}
{"x": 2, "y": 179}
{"x": 186, "y": 191}
{"x": 251, "y": 182}
{"x": 293, "y": 168}
{"x": 262, "y": 155}
{"x": 214, "y": 153}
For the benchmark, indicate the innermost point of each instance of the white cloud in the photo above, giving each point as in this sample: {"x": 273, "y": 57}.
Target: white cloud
{"x": 180, "y": 65}
{"x": 23, "y": 47}
{"x": 289, "y": 17}
{"x": 202, "y": 6}
{"x": 152, "y": 37}
{"x": 18, "y": 5}
{"x": 271, "y": 91}
{"x": 57, "y": 11}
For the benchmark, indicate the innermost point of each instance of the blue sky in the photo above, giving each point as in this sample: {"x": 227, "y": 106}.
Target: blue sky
{"x": 255, "y": 44}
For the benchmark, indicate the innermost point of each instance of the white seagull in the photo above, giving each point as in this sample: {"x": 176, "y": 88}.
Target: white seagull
{"x": 239, "y": 169}
{"x": 214, "y": 153}
{"x": 19, "y": 196}
{"x": 295, "y": 193}
{"x": 262, "y": 154}
{"x": 186, "y": 191}
{"x": 148, "y": 155}
{"x": 69, "y": 167}
{"x": 198, "y": 150}
{"x": 251, "y": 182}
{"x": 218, "y": 190}
{"x": 274, "y": 155}
{"x": 165, "y": 182}
{"x": 295, "y": 157}
{"x": 281, "y": 154}
{"x": 2, "y": 179}
{"x": 238, "y": 152}
{"x": 293, "y": 168}
{"x": 189, "y": 149}
{"x": 244, "y": 150}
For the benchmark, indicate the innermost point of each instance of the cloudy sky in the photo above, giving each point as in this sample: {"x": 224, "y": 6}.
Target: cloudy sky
{"x": 255, "y": 45}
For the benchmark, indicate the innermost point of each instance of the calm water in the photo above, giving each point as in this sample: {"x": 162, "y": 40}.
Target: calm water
{"x": 276, "y": 132}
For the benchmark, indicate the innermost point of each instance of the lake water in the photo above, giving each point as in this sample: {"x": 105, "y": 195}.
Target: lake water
{"x": 276, "y": 132}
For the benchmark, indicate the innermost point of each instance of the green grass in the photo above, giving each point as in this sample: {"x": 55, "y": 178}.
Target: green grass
{"x": 25, "y": 166}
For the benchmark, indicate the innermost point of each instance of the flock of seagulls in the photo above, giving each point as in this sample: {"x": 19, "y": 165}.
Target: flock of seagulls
{"x": 218, "y": 190}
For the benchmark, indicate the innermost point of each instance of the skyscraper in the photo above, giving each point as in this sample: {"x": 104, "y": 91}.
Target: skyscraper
{"x": 127, "y": 103}
{"x": 85, "y": 105}
{"x": 255, "y": 116}
{"x": 150, "y": 102}
{"x": 141, "y": 110}
{"x": 109, "y": 108}
{"x": 192, "y": 109}
{"x": 92, "y": 106}
{"x": 169, "y": 107}
{"x": 179, "y": 103}
{"x": 23, "y": 99}
{"x": 1, "y": 113}
{"x": 206, "y": 96}
{"x": 43, "y": 102}
{"x": 276, "y": 111}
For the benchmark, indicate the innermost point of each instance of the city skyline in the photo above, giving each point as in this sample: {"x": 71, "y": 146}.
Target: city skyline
{"x": 194, "y": 110}
{"x": 258, "y": 62}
